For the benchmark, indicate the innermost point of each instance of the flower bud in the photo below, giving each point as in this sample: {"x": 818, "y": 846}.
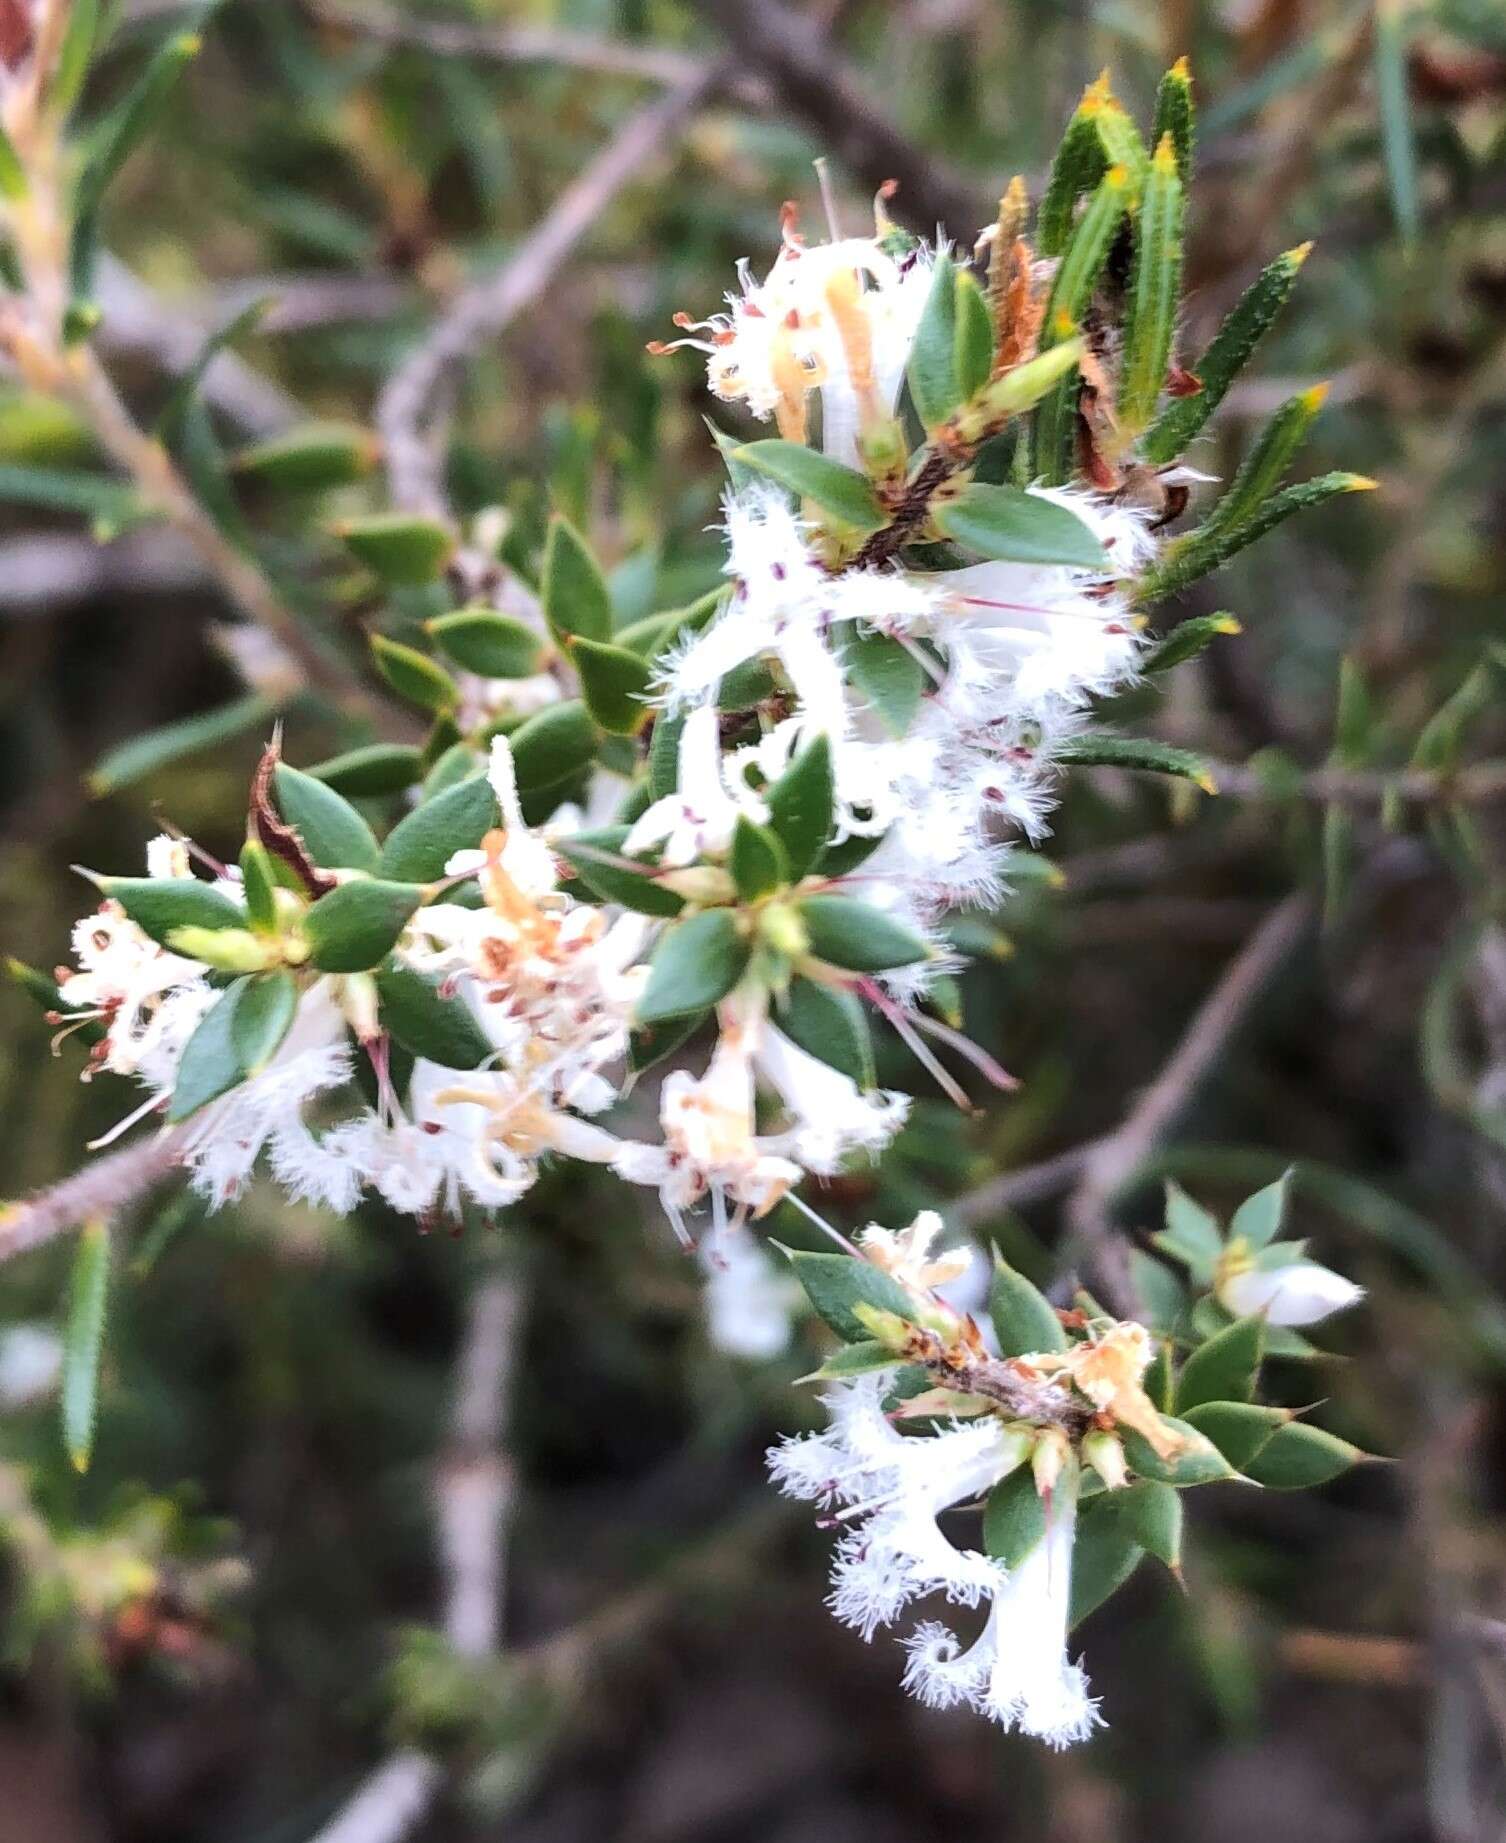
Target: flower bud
{"x": 1299, "y": 1293}
{"x": 1105, "y": 1453}
{"x": 227, "y": 950}
{"x": 702, "y": 883}
{"x": 1049, "y": 1460}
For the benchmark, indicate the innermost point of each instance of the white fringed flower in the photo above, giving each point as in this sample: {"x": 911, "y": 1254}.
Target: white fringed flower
{"x": 749, "y": 1303}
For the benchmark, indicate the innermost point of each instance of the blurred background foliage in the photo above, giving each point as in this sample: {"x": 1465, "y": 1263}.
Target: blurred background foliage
{"x": 230, "y": 1617}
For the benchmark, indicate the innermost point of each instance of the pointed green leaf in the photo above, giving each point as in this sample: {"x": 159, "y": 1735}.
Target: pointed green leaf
{"x": 801, "y": 804}
{"x": 1076, "y": 169}
{"x": 159, "y": 748}
{"x": 1191, "y": 1235}
{"x": 418, "y": 847}
{"x": 1151, "y": 1513}
{"x": 427, "y": 1024}
{"x": 1258, "y": 1219}
{"x": 590, "y": 853}
{"x": 258, "y": 887}
{"x": 358, "y": 924}
{"x": 1206, "y": 549}
{"x": 856, "y": 936}
{"x": 159, "y": 905}
{"x": 649, "y": 1046}
{"x": 696, "y": 962}
{"x": 1155, "y": 288}
{"x": 313, "y": 457}
{"x": 1298, "y": 1456}
{"x": 1185, "y": 641}
{"x": 1014, "y": 1518}
{"x": 1239, "y": 1429}
{"x": 1024, "y": 1318}
{"x": 1140, "y": 754}
{"x": 334, "y": 834}
{"x": 614, "y": 683}
{"x": 933, "y": 351}
{"x": 1104, "y": 1555}
{"x": 552, "y": 746}
{"x": 973, "y": 358}
{"x": 1225, "y": 1367}
{"x": 211, "y": 1064}
{"x": 491, "y": 644}
{"x": 1393, "y": 93}
{"x": 378, "y": 769}
{"x": 84, "y": 1339}
{"x": 758, "y": 861}
{"x": 830, "y": 1025}
{"x": 1020, "y": 527}
{"x": 840, "y": 490}
{"x": 887, "y": 674}
{"x": 1265, "y": 466}
{"x": 574, "y": 591}
{"x": 406, "y": 552}
{"x": 413, "y": 675}
{"x": 836, "y": 1283}
{"x": 1199, "y": 1462}
{"x": 1175, "y": 116}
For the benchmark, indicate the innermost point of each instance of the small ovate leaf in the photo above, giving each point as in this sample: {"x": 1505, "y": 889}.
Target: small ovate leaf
{"x": 160, "y": 905}
{"x": 259, "y": 886}
{"x": 836, "y": 1283}
{"x": 84, "y": 1339}
{"x": 404, "y": 551}
{"x": 263, "y": 1016}
{"x": 211, "y": 1063}
{"x": 1162, "y": 1294}
{"x": 758, "y": 861}
{"x": 1198, "y": 1462}
{"x": 1138, "y": 754}
{"x": 577, "y": 601}
{"x": 1298, "y": 1456}
{"x": 590, "y": 854}
{"x": 1258, "y": 1220}
{"x": 844, "y": 932}
{"x": 419, "y": 846}
{"x": 414, "y": 676}
{"x": 1014, "y": 1518}
{"x": 357, "y": 925}
{"x": 1104, "y": 1556}
{"x": 888, "y": 675}
{"x": 1006, "y": 523}
{"x": 334, "y": 834}
{"x": 315, "y": 457}
{"x": 1151, "y": 1512}
{"x": 373, "y": 771}
{"x": 853, "y": 1360}
{"x": 488, "y": 643}
{"x": 614, "y": 683}
{"x": 1024, "y": 1318}
{"x": 1240, "y": 1430}
{"x": 830, "y": 1025}
{"x": 842, "y": 491}
{"x": 425, "y": 1023}
{"x": 1191, "y": 1235}
{"x": 696, "y": 963}
{"x": 800, "y": 803}
{"x": 932, "y": 368}
{"x": 1225, "y": 1367}
{"x": 973, "y": 356}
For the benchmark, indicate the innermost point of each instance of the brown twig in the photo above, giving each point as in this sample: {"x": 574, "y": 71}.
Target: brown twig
{"x": 1113, "y": 1161}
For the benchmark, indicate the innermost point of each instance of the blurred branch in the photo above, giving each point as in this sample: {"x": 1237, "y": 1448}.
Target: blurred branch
{"x": 1477, "y": 784}
{"x": 809, "y": 80}
{"x": 60, "y": 569}
{"x": 1030, "y": 1184}
{"x": 1113, "y": 1161}
{"x": 103, "y": 1188}
{"x": 473, "y": 1495}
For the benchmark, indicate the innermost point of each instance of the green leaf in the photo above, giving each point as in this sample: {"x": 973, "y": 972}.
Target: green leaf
{"x": 418, "y": 847}
{"x": 314, "y": 457}
{"x": 1104, "y": 1555}
{"x": 1225, "y": 1367}
{"x": 553, "y": 745}
{"x": 696, "y": 962}
{"x": 1209, "y": 548}
{"x": 1020, "y": 527}
{"x": 1239, "y": 1429}
{"x": 853, "y": 1360}
{"x": 211, "y": 1064}
{"x": 656, "y": 633}
{"x": 1161, "y": 1292}
{"x": 932, "y": 368}
{"x": 573, "y": 590}
{"x": 851, "y": 934}
{"x": 615, "y": 684}
{"x": 801, "y": 804}
{"x": 406, "y": 552}
{"x": 1258, "y": 1219}
{"x": 1198, "y": 1463}
{"x": 1191, "y": 1234}
{"x": 1024, "y": 1318}
{"x": 1154, "y": 291}
{"x": 371, "y": 772}
{"x": 1071, "y": 294}
{"x": 334, "y": 834}
{"x": 13, "y": 181}
{"x": 1175, "y": 116}
{"x": 836, "y": 1283}
{"x": 1151, "y": 1513}
{"x": 159, "y": 748}
{"x": 608, "y": 882}
{"x": 358, "y": 924}
{"x": 1265, "y": 466}
{"x": 112, "y": 144}
{"x": 426, "y": 1024}
{"x": 1014, "y": 1518}
{"x": 263, "y": 1016}
{"x": 174, "y": 418}
{"x": 110, "y": 504}
{"x": 664, "y": 756}
{"x": 887, "y": 674}
{"x": 1140, "y": 754}
{"x": 1393, "y": 93}
{"x": 1298, "y": 1456}
{"x": 973, "y": 357}
{"x": 1077, "y": 167}
{"x": 1185, "y": 641}
{"x": 84, "y": 1339}
{"x": 458, "y": 763}
{"x": 490, "y": 644}
{"x": 1231, "y": 350}
{"x": 73, "y": 56}
{"x": 840, "y": 490}
{"x": 830, "y": 1025}
{"x": 758, "y": 862}
{"x": 1017, "y": 390}
{"x": 259, "y": 886}
{"x": 414, "y": 676}
{"x": 158, "y": 905}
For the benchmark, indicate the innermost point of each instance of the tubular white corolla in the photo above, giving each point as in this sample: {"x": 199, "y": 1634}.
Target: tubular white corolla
{"x": 1300, "y": 1293}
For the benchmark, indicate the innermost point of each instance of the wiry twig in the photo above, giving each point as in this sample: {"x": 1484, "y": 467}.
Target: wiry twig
{"x": 102, "y": 1188}
{"x": 473, "y": 1493}
{"x": 1113, "y": 1161}
{"x": 1476, "y": 784}
{"x": 408, "y": 403}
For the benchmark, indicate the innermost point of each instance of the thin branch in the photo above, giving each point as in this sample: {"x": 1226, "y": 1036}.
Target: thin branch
{"x": 103, "y": 1188}
{"x": 1030, "y": 1184}
{"x": 59, "y": 569}
{"x": 1114, "y": 1160}
{"x": 1477, "y": 784}
{"x": 407, "y": 406}
{"x": 473, "y": 1498}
